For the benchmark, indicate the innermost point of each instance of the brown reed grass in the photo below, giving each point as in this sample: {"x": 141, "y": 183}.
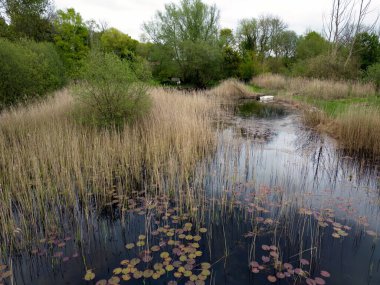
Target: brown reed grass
{"x": 315, "y": 88}
{"x": 52, "y": 168}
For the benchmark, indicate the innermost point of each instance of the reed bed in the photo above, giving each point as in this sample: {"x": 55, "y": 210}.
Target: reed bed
{"x": 230, "y": 89}
{"x": 54, "y": 170}
{"x": 359, "y": 129}
{"x": 315, "y": 88}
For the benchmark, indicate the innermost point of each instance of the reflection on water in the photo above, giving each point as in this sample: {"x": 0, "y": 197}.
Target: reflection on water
{"x": 271, "y": 182}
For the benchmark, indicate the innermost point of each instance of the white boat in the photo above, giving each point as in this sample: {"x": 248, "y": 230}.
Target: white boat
{"x": 266, "y": 98}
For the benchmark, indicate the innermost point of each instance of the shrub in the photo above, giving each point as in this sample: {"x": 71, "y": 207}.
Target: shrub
{"x": 28, "y": 70}
{"x": 373, "y": 75}
{"x": 110, "y": 91}
{"x": 326, "y": 67}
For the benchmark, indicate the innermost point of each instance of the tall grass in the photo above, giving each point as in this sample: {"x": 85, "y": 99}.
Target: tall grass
{"x": 54, "y": 170}
{"x": 359, "y": 129}
{"x": 230, "y": 89}
{"x": 315, "y": 88}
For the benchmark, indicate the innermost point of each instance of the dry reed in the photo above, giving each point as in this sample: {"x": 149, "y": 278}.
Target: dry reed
{"x": 54, "y": 170}
{"x": 359, "y": 129}
{"x": 315, "y": 88}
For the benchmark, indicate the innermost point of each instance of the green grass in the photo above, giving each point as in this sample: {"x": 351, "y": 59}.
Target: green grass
{"x": 256, "y": 88}
{"x": 335, "y": 107}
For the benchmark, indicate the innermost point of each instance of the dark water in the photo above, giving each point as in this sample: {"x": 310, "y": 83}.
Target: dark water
{"x": 269, "y": 183}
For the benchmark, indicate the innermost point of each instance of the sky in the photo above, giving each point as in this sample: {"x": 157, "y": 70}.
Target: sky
{"x": 129, "y": 15}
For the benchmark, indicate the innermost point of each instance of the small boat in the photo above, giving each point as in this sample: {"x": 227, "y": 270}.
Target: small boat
{"x": 266, "y": 98}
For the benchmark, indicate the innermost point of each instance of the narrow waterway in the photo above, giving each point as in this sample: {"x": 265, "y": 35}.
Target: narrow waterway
{"x": 282, "y": 205}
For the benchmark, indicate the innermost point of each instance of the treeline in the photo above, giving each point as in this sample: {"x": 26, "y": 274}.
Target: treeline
{"x": 41, "y": 49}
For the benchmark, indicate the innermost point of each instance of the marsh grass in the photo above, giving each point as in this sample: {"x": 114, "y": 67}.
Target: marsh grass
{"x": 54, "y": 170}
{"x": 315, "y": 88}
{"x": 349, "y": 111}
{"x": 359, "y": 129}
{"x": 231, "y": 89}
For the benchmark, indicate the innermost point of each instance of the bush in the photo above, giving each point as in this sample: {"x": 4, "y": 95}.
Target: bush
{"x": 373, "y": 75}
{"x": 28, "y": 70}
{"x": 110, "y": 91}
{"x": 325, "y": 67}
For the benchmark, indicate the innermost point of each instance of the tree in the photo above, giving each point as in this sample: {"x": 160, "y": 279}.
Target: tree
{"x": 71, "y": 38}
{"x": 286, "y": 43}
{"x": 29, "y": 18}
{"x": 189, "y": 31}
{"x": 231, "y": 58}
{"x": 112, "y": 40}
{"x": 311, "y": 45}
{"x": 373, "y": 74}
{"x": 247, "y": 34}
{"x": 262, "y": 36}
{"x": 367, "y": 48}
{"x": 28, "y": 70}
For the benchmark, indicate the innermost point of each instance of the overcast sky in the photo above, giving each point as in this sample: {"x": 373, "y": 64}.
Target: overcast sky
{"x": 129, "y": 15}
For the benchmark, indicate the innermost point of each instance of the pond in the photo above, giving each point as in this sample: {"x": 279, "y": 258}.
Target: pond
{"x": 276, "y": 203}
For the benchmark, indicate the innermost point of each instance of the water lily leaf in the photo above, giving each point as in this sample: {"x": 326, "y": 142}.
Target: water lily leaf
{"x": 89, "y": 275}
{"x": 319, "y": 281}
{"x": 114, "y": 280}
{"x": 164, "y": 254}
{"x": 325, "y": 273}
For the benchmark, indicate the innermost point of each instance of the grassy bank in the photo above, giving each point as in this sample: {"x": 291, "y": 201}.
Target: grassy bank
{"x": 55, "y": 171}
{"x": 349, "y": 111}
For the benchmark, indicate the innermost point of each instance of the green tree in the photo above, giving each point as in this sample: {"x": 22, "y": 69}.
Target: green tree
{"x": 189, "y": 31}
{"x": 29, "y": 18}
{"x": 367, "y": 49}
{"x": 122, "y": 45}
{"x": 311, "y": 45}
{"x": 231, "y": 58}
{"x": 72, "y": 39}
{"x": 28, "y": 70}
{"x": 373, "y": 74}
{"x": 247, "y": 34}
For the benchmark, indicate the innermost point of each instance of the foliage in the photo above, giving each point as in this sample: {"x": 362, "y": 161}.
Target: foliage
{"x": 29, "y": 18}
{"x": 28, "y": 70}
{"x": 373, "y": 74}
{"x": 266, "y": 36}
{"x": 367, "y": 48}
{"x": 250, "y": 66}
{"x": 324, "y": 66}
{"x": 189, "y": 32}
{"x": 311, "y": 45}
{"x": 122, "y": 45}
{"x": 72, "y": 39}
{"x": 110, "y": 92}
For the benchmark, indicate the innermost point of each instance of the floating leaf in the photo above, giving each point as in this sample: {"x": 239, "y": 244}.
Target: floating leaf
{"x": 325, "y": 273}
{"x": 101, "y": 282}
{"x": 130, "y": 245}
{"x": 272, "y": 278}
{"x": 114, "y": 280}
{"x": 89, "y": 275}
{"x": 280, "y": 275}
{"x": 319, "y": 281}
{"x": 164, "y": 254}
{"x": 202, "y": 230}
{"x": 148, "y": 273}
{"x": 310, "y": 281}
